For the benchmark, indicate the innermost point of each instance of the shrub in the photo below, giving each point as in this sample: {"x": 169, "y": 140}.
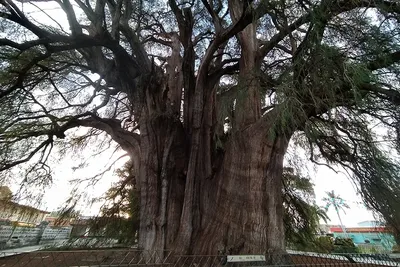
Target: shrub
{"x": 396, "y": 249}
{"x": 324, "y": 244}
{"x": 344, "y": 245}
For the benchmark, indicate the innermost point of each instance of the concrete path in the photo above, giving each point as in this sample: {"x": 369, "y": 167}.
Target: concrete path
{"x": 27, "y": 249}
{"x": 15, "y": 251}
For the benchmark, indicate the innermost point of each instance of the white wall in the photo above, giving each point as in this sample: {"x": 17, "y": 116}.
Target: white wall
{"x": 20, "y": 236}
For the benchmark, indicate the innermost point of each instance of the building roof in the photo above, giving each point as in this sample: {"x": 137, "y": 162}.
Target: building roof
{"x": 370, "y": 223}
{"x": 379, "y": 229}
{"x": 57, "y": 221}
{"x": 16, "y": 205}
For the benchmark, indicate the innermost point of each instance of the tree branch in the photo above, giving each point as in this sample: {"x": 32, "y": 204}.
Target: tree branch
{"x": 129, "y": 141}
{"x": 327, "y": 10}
{"x": 44, "y": 145}
{"x": 384, "y": 61}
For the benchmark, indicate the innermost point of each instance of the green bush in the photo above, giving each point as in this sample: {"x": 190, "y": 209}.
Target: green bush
{"x": 327, "y": 244}
{"x": 396, "y": 249}
{"x": 324, "y": 244}
{"x": 344, "y": 245}
{"x": 371, "y": 249}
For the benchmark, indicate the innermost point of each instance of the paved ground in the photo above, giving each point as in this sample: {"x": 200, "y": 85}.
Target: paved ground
{"x": 31, "y": 257}
{"x": 96, "y": 258}
{"x": 13, "y": 251}
{"x": 27, "y": 249}
{"x": 92, "y": 258}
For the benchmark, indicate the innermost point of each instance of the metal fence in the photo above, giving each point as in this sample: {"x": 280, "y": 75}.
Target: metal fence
{"x": 129, "y": 257}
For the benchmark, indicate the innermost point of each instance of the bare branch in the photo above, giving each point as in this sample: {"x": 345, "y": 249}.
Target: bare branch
{"x": 43, "y": 145}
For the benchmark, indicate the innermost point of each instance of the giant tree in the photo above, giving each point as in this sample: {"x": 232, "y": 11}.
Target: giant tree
{"x": 205, "y": 96}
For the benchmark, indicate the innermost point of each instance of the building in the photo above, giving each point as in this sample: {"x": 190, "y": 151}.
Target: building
{"x": 20, "y": 215}
{"x": 80, "y": 225}
{"x": 58, "y": 221}
{"x": 370, "y": 224}
{"x": 367, "y": 233}
{"x": 325, "y": 229}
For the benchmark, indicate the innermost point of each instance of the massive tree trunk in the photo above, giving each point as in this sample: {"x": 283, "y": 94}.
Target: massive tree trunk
{"x": 161, "y": 181}
{"x": 236, "y": 207}
{"x": 195, "y": 197}
{"x": 242, "y": 203}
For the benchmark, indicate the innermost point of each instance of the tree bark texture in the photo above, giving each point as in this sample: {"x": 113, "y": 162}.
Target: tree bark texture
{"x": 197, "y": 197}
{"x": 241, "y": 204}
{"x": 232, "y": 204}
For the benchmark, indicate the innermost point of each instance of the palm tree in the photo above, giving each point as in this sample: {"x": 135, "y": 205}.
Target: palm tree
{"x": 339, "y": 204}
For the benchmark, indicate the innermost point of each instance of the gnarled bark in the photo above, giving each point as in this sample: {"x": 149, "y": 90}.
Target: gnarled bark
{"x": 161, "y": 181}
{"x": 242, "y": 205}
{"x": 248, "y": 103}
{"x": 236, "y": 206}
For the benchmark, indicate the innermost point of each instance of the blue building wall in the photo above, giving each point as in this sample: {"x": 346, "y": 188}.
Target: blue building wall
{"x": 386, "y": 240}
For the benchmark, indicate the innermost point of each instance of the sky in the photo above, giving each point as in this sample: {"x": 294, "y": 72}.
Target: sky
{"x": 63, "y": 186}
{"x": 323, "y": 178}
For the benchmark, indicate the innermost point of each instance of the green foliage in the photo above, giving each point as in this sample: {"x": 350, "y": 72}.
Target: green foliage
{"x": 322, "y": 244}
{"x": 301, "y": 214}
{"x": 5, "y": 193}
{"x": 396, "y": 249}
{"x": 370, "y": 249}
{"x": 119, "y": 216}
{"x": 344, "y": 245}
{"x": 338, "y": 204}
{"x": 327, "y": 244}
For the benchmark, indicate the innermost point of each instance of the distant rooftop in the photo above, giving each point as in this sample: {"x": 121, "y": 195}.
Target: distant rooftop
{"x": 375, "y": 229}
{"x": 372, "y": 223}
{"x": 6, "y": 201}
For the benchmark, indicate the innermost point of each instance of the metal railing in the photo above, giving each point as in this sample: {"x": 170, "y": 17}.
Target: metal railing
{"x": 130, "y": 257}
